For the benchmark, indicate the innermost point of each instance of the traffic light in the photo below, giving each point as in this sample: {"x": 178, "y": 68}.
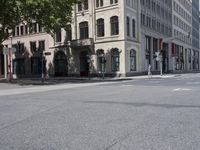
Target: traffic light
{"x": 161, "y": 44}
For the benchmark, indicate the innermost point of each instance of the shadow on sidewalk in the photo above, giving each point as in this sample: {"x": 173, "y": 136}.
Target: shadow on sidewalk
{"x": 54, "y": 81}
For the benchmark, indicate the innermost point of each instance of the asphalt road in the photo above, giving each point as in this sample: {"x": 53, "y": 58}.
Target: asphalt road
{"x": 140, "y": 114}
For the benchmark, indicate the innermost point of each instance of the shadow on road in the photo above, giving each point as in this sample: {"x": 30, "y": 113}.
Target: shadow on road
{"x": 169, "y": 106}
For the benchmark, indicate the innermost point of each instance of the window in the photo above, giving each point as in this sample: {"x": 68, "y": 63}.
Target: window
{"x": 84, "y": 31}
{"x": 26, "y": 29}
{"x": 143, "y": 19}
{"x": 100, "y": 27}
{"x": 115, "y": 59}
{"x": 19, "y": 47}
{"x": 33, "y": 46}
{"x": 148, "y": 4}
{"x": 100, "y": 60}
{"x": 35, "y": 27}
{"x": 36, "y": 64}
{"x": 142, "y": 2}
{"x": 22, "y": 30}
{"x": 128, "y": 3}
{"x": 128, "y": 26}
{"x": 148, "y": 19}
{"x": 114, "y": 25}
{"x": 19, "y": 66}
{"x": 79, "y": 6}
{"x": 17, "y": 31}
{"x": 83, "y": 5}
{"x": 68, "y": 33}
{"x": 99, "y": 3}
{"x": 133, "y": 28}
{"x": 58, "y": 36}
{"x": 113, "y": 2}
{"x": 41, "y": 45}
{"x": 154, "y": 24}
{"x": 132, "y": 60}
{"x": 39, "y": 28}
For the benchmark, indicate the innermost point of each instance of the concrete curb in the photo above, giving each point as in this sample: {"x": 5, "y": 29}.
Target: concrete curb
{"x": 62, "y": 80}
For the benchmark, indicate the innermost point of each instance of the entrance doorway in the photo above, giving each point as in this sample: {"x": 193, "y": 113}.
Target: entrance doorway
{"x": 60, "y": 64}
{"x": 165, "y": 58}
{"x": 84, "y": 64}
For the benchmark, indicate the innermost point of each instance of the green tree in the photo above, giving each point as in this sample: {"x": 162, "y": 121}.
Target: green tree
{"x": 51, "y": 14}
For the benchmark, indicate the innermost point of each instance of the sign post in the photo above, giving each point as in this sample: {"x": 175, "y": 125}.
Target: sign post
{"x": 43, "y": 61}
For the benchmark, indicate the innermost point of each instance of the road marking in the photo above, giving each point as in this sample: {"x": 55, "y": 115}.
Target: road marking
{"x": 181, "y": 89}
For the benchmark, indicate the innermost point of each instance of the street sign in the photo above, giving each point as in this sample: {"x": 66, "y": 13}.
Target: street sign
{"x": 157, "y": 56}
{"x": 7, "y": 51}
{"x": 47, "y": 53}
{"x": 157, "y": 53}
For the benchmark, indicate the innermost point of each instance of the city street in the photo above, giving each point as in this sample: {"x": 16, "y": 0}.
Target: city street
{"x": 137, "y": 114}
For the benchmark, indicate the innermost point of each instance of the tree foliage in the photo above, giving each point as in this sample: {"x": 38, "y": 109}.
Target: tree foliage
{"x": 51, "y": 14}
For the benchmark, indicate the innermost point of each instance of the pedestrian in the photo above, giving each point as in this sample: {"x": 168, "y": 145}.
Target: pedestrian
{"x": 149, "y": 71}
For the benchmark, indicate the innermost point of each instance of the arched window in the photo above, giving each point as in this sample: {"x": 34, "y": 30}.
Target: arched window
{"x": 60, "y": 64}
{"x": 100, "y": 27}
{"x": 114, "y": 21}
{"x": 100, "y": 60}
{"x": 84, "y": 31}
{"x": 128, "y": 26}
{"x": 132, "y": 60}
{"x": 115, "y": 60}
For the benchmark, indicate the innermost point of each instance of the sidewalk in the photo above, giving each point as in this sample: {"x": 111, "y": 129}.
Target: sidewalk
{"x": 61, "y": 80}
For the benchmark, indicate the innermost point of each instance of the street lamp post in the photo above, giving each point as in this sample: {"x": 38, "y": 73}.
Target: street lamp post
{"x": 10, "y": 61}
{"x": 8, "y": 57}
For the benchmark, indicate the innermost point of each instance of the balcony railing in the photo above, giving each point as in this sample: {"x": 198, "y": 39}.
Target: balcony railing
{"x": 82, "y": 43}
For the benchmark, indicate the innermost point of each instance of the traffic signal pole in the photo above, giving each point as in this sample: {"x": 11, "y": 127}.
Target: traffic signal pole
{"x": 160, "y": 56}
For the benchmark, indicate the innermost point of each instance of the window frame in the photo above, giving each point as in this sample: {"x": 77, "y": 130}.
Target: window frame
{"x": 114, "y": 25}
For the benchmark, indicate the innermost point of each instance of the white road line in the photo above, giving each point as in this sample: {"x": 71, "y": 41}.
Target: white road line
{"x": 181, "y": 89}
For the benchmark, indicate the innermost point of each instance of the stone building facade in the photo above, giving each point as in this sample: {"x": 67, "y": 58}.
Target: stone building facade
{"x": 118, "y": 38}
